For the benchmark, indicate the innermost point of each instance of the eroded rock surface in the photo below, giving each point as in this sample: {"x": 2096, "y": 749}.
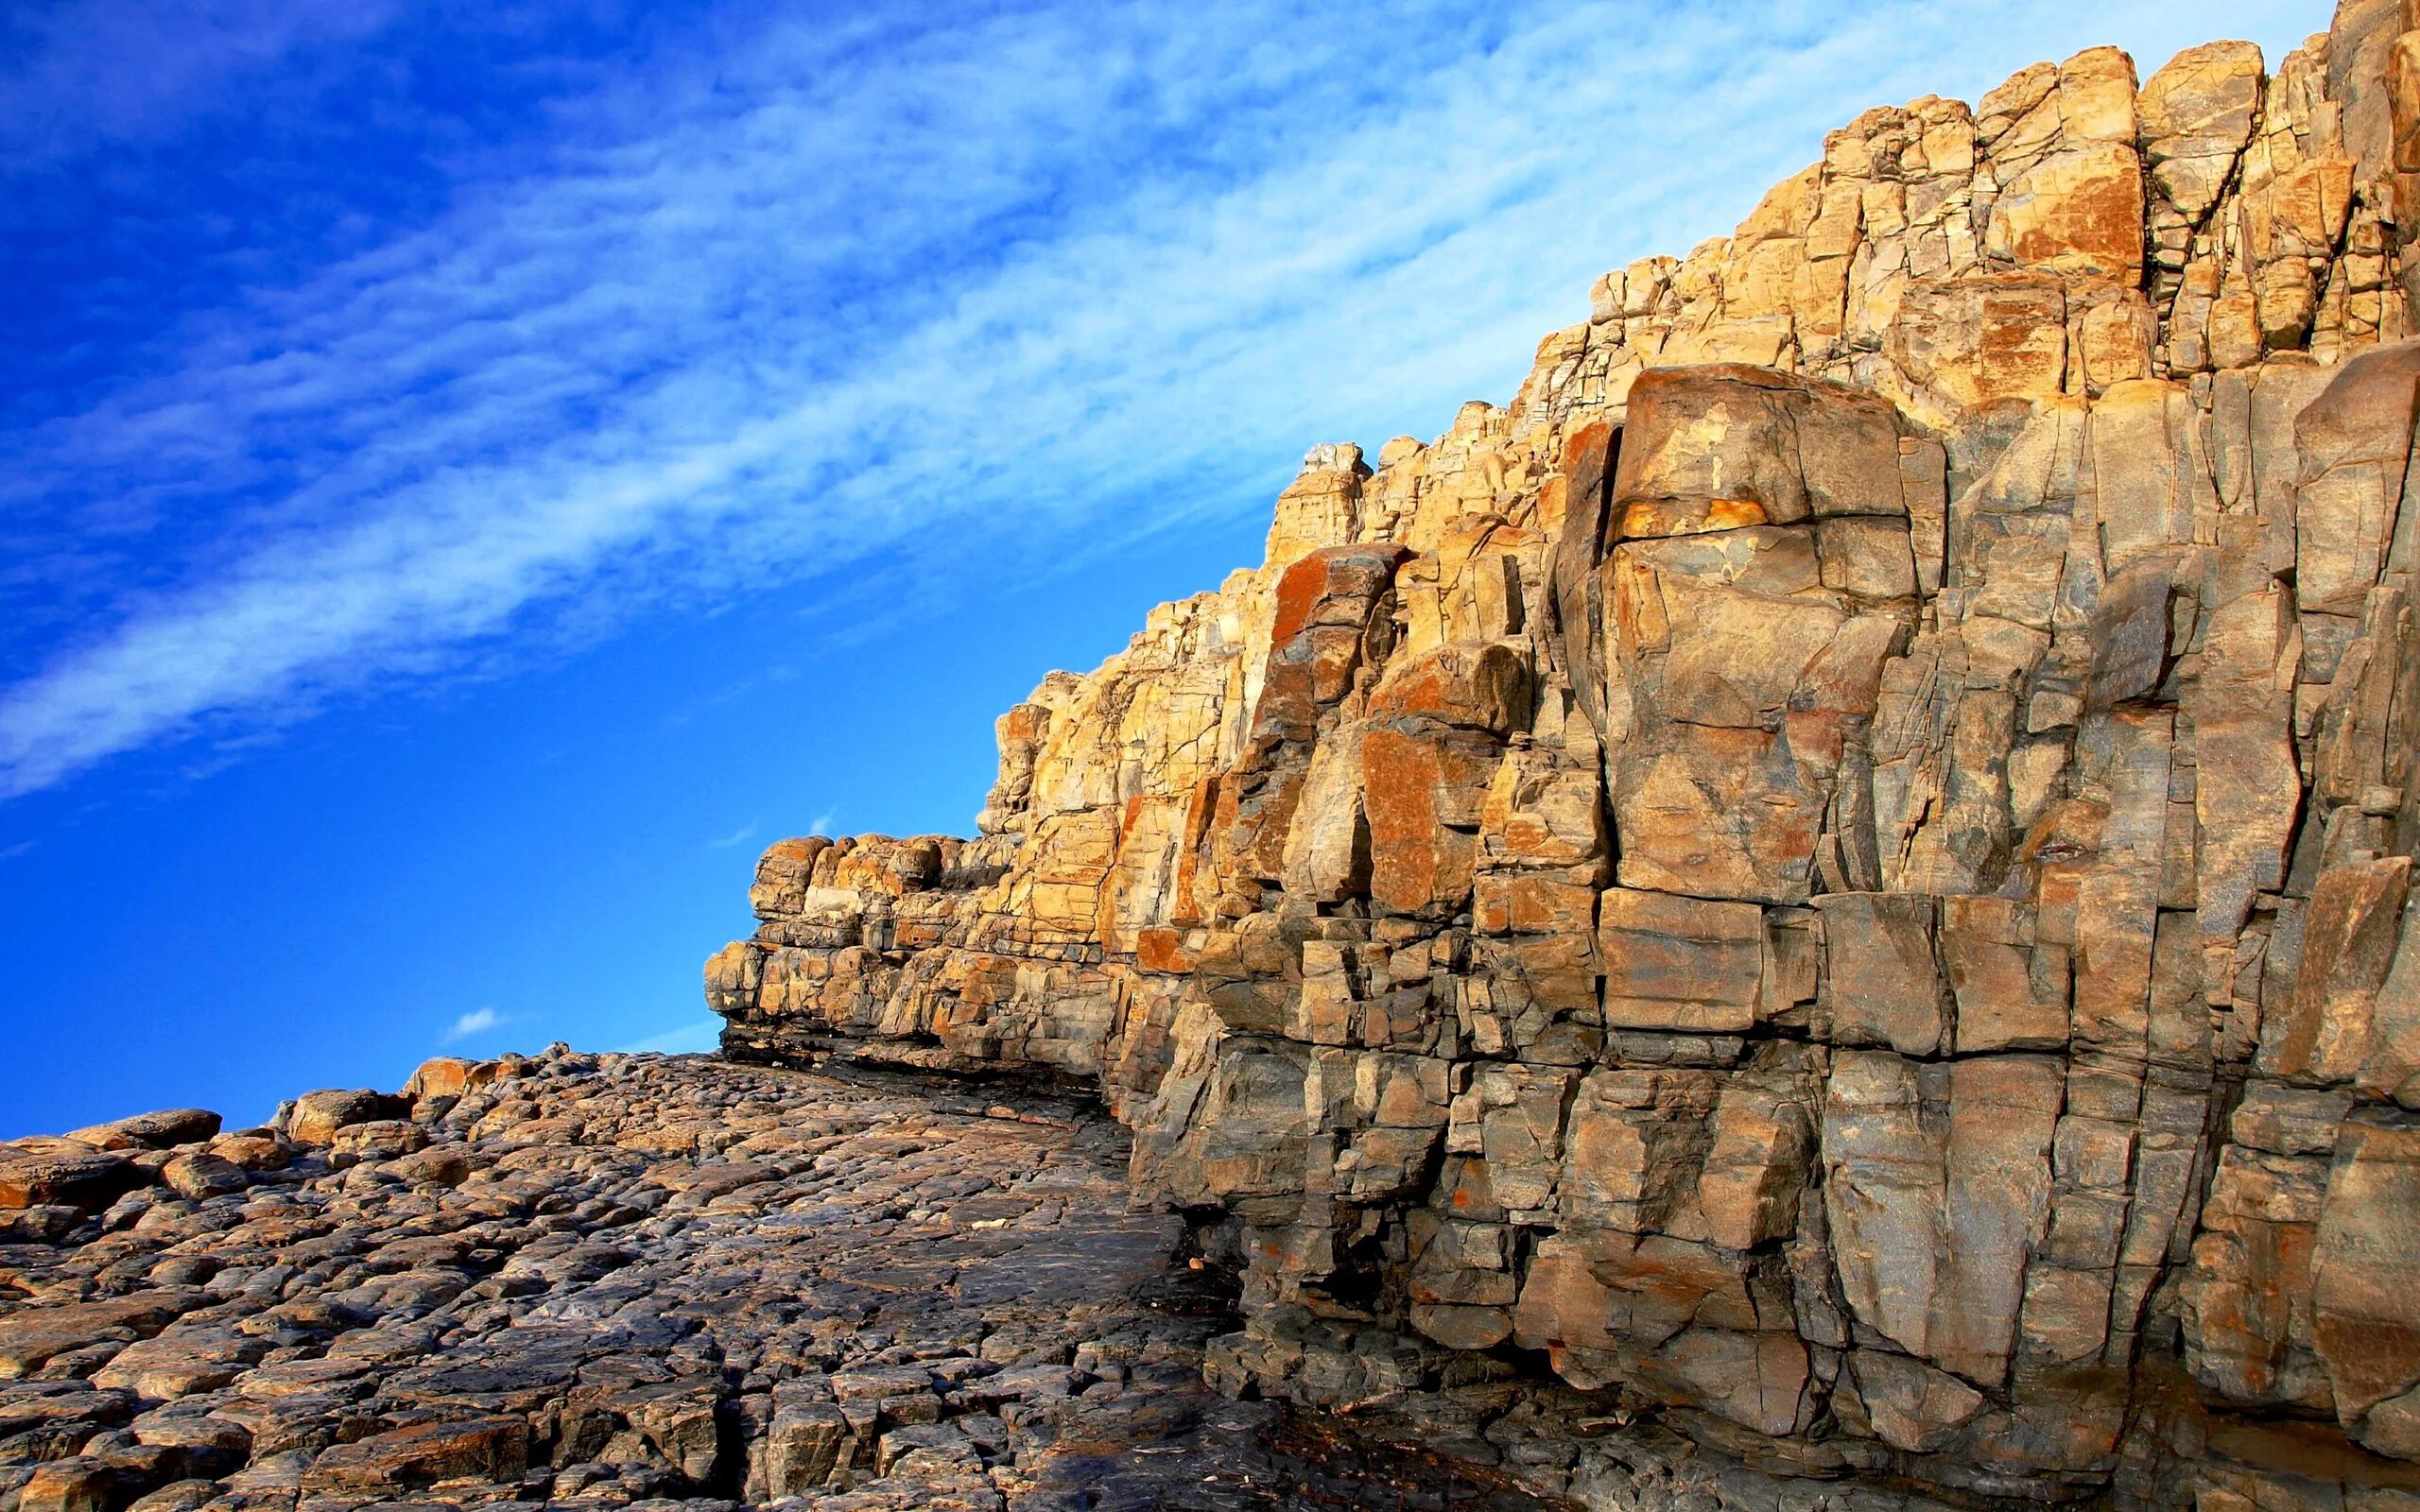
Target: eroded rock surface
{"x": 1834, "y": 880}
{"x": 599, "y": 1281}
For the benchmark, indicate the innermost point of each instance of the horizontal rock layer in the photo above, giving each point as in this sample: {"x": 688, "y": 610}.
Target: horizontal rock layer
{"x": 1837, "y": 875}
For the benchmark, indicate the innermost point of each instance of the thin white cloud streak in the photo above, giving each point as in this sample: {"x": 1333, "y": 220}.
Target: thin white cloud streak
{"x": 890, "y": 311}
{"x": 476, "y": 1022}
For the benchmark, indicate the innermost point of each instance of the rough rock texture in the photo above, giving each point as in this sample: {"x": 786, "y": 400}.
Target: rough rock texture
{"x": 1835, "y": 878}
{"x": 612, "y": 1281}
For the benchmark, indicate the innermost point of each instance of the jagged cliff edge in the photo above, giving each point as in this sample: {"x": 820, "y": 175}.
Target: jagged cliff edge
{"x": 1839, "y": 871}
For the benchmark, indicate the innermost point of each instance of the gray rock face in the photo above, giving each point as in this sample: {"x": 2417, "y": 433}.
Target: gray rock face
{"x": 1834, "y": 880}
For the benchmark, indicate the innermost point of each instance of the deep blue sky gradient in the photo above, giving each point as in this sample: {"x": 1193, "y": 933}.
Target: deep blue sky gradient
{"x": 472, "y": 475}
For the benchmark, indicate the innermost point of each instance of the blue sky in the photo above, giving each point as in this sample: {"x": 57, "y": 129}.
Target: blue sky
{"x": 470, "y": 476}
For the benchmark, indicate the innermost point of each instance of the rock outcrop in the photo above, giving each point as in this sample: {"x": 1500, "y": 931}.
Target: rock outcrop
{"x": 598, "y": 1281}
{"x": 1835, "y": 879}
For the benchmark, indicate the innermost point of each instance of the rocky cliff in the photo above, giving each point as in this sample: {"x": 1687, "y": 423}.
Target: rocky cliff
{"x": 1834, "y": 879}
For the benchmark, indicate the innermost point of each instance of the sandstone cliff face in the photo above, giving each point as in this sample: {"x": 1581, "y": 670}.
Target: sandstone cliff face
{"x": 1839, "y": 871}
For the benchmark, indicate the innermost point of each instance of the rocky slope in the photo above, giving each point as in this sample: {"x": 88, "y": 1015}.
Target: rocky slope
{"x": 1833, "y": 881}
{"x": 612, "y": 1281}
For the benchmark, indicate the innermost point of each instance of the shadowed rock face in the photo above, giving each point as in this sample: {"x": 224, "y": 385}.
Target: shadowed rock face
{"x": 1834, "y": 879}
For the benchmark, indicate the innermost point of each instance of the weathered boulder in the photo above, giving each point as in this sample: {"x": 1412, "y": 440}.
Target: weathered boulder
{"x": 316, "y": 1117}
{"x": 43, "y": 1171}
{"x": 482, "y": 1449}
{"x": 199, "y": 1175}
{"x": 150, "y": 1131}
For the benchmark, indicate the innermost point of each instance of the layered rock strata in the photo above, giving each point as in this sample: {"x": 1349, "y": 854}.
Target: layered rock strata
{"x": 1835, "y": 876}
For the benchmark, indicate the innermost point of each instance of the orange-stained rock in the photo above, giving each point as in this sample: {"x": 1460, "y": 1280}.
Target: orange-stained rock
{"x": 43, "y": 1171}
{"x": 1163, "y": 950}
{"x": 1836, "y": 870}
{"x": 442, "y": 1076}
{"x": 1471, "y": 687}
{"x": 2079, "y": 212}
{"x": 1980, "y": 339}
{"x": 1423, "y": 794}
{"x": 316, "y": 1117}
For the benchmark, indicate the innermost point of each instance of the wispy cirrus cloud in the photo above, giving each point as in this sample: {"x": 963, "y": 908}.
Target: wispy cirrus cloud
{"x": 966, "y": 294}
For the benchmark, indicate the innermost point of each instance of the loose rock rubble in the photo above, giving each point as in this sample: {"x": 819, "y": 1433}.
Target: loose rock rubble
{"x": 614, "y": 1281}
{"x": 1833, "y": 883}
